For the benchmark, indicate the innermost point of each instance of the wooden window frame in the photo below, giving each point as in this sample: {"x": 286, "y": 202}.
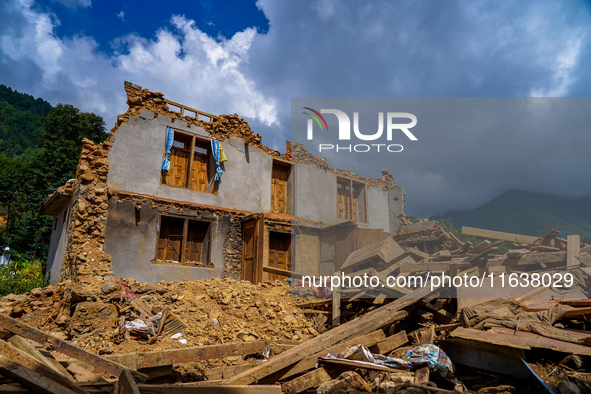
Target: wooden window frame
{"x": 186, "y": 220}
{"x": 350, "y": 182}
{"x": 195, "y": 140}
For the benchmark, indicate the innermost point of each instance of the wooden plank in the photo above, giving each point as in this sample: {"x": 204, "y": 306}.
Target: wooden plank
{"x": 127, "y": 384}
{"x": 309, "y": 362}
{"x": 573, "y": 249}
{"x": 25, "y": 346}
{"x": 315, "y": 303}
{"x": 440, "y": 314}
{"x": 585, "y": 259}
{"x": 278, "y": 271}
{"x": 380, "y": 317}
{"x": 520, "y": 340}
{"x": 24, "y": 330}
{"x": 82, "y": 374}
{"x": 308, "y": 381}
{"x": 208, "y": 389}
{"x": 456, "y": 240}
{"x": 220, "y": 373}
{"x": 487, "y": 357}
{"x": 390, "y": 343}
{"x": 357, "y": 364}
{"x": 26, "y": 360}
{"x": 422, "y": 374}
{"x": 547, "y": 239}
{"x": 416, "y": 254}
{"x": 424, "y": 267}
{"x": 477, "y": 232}
{"x": 386, "y": 250}
{"x": 481, "y": 246}
{"x": 336, "y": 305}
{"x": 31, "y": 379}
{"x": 158, "y": 358}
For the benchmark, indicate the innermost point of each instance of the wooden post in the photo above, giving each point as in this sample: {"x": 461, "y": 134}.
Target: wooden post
{"x": 573, "y": 249}
{"x": 336, "y": 304}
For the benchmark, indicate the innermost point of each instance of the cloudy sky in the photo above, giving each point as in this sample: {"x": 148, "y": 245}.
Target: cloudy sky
{"x": 252, "y": 58}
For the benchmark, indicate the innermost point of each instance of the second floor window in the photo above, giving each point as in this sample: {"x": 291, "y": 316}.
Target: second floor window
{"x": 351, "y": 200}
{"x": 191, "y": 164}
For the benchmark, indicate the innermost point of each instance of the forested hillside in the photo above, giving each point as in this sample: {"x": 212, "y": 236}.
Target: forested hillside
{"x": 39, "y": 150}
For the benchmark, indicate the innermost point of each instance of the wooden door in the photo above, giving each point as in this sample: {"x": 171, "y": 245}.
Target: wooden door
{"x": 279, "y": 188}
{"x": 250, "y": 248}
{"x": 198, "y": 178}
{"x": 279, "y": 254}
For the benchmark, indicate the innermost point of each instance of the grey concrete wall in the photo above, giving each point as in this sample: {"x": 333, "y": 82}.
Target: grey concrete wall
{"x": 132, "y": 246}
{"x": 135, "y": 163}
{"x": 306, "y": 254}
{"x": 377, "y": 209}
{"x": 395, "y": 206}
{"x": 57, "y": 246}
{"x": 315, "y": 194}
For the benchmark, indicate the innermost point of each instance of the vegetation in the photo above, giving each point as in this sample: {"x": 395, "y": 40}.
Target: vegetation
{"x": 21, "y": 276}
{"x": 39, "y": 151}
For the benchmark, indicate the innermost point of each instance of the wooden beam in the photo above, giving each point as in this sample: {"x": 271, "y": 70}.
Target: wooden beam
{"x": 371, "y": 321}
{"x": 220, "y": 373}
{"x": 26, "y": 360}
{"x": 307, "y": 381}
{"x": 357, "y": 364}
{"x": 309, "y": 362}
{"x": 520, "y": 340}
{"x": 278, "y": 271}
{"x": 24, "y": 330}
{"x": 208, "y": 389}
{"x": 158, "y": 358}
{"x": 573, "y": 249}
{"x": 585, "y": 259}
{"x": 477, "y": 232}
{"x": 422, "y": 374}
{"x": 25, "y": 346}
{"x": 486, "y": 356}
{"x": 31, "y": 379}
{"x": 456, "y": 240}
{"x": 481, "y": 246}
{"x": 390, "y": 343}
{"x": 126, "y": 384}
{"x": 336, "y": 305}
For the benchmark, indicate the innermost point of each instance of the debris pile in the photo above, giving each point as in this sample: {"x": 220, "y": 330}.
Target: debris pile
{"x": 113, "y": 335}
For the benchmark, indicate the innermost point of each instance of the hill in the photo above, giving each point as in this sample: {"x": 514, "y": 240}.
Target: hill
{"x": 20, "y": 121}
{"x": 530, "y": 214}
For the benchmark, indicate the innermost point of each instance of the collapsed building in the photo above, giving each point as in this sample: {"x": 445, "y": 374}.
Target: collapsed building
{"x": 176, "y": 193}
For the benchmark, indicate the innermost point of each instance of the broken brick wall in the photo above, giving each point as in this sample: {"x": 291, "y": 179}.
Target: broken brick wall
{"x": 84, "y": 257}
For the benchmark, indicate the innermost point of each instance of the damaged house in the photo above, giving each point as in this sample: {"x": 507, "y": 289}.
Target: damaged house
{"x": 175, "y": 193}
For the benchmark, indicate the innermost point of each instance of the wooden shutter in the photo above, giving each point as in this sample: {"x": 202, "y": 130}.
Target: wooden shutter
{"x": 170, "y": 239}
{"x": 198, "y": 180}
{"x": 279, "y": 188}
{"x": 344, "y": 199}
{"x": 197, "y": 247}
{"x": 179, "y": 161}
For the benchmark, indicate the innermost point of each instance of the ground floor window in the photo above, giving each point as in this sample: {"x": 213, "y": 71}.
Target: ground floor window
{"x": 183, "y": 241}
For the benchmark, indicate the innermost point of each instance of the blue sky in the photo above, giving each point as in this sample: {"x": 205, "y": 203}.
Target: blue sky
{"x": 251, "y": 57}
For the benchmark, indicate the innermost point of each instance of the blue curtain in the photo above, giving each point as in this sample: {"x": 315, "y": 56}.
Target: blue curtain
{"x": 169, "y": 139}
{"x": 215, "y": 148}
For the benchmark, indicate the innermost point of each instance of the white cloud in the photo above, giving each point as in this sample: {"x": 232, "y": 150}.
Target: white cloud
{"x": 186, "y": 64}
{"x": 121, "y": 15}
{"x": 75, "y": 3}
